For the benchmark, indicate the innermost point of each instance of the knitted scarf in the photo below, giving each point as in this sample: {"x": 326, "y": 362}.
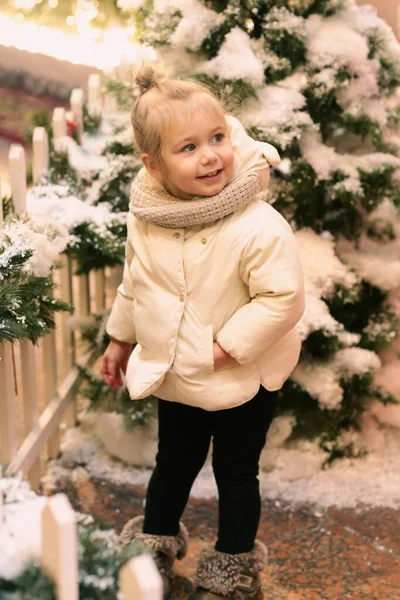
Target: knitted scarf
{"x": 157, "y": 206}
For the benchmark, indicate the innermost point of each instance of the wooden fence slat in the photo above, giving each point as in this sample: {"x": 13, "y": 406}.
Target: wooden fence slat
{"x": 99, "y": 288}
{"x": 83, "y": 307}
{"x": 30, "y": 400}
{"x": 65, "y": 294}
{"x": 60, "y": 547}
{"x": 17, "y": 169}
{"x": 76, "y": 102}
{"x": 29, "y": 386}
{"x": 59, "y": 123}
{"x": 40, "y": 164}
{"x": 1, "y": 498}
{"x": 50, "y": 385}
{"x": 139, "y": 579}
{"x": 27, "y": 350}
{"x": 8, "y": 445}
{"x": 67, "y": 334}
{"x": 94, "y": 94}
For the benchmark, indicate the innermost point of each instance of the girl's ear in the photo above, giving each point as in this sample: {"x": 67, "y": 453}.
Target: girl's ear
{"x": 152, "y": 165}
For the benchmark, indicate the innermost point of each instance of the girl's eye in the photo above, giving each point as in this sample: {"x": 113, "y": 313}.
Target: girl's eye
{"x": 189, "y": 148}
{"x": 219, "y": 137}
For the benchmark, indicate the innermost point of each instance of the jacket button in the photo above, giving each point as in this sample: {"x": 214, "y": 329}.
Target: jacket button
{"x": 177, "y": 235}
{"x": 182, "y": 298}
{"x": 204, "y": 241}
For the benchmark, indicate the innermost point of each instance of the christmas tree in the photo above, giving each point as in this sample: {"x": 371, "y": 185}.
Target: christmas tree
{"x": 318, "y": 79}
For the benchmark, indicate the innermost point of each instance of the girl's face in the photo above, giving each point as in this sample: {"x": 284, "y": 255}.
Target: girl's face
{"x": 197, "y": 156}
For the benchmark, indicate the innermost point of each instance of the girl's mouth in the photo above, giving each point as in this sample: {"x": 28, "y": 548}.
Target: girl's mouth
{"x": 212, "y": 175}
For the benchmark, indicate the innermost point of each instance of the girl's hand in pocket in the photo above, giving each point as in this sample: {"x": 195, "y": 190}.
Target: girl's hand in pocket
{"x": 221, "y": 358}
{"x": 115, "y": 360}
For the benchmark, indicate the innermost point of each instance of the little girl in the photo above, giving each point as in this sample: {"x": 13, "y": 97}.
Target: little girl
{"x": 211, "y": 293}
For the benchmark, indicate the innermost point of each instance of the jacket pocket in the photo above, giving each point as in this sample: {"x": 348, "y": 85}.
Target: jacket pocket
{"x": 208, "y": 349}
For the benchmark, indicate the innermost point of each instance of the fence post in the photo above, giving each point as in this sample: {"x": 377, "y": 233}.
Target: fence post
{"x": 17, "y": 167}
{"x": 8, "y": 445}
{"x": 59, "y": 126}
{"x": 76, "y": 102}
{"x": 41, "y": 166}
{"x": 139, "y": 579}
{"x": 60, "y": 547}
{"x": 94, "y": 94}
{"x": 83, "y": 303}
{"x": 28, "y": 353}
{"x": 49, "y": 361}
{"x": 40, "y": 154}
{"x": 98, "y": 289}
{"x": 1, "y": 499}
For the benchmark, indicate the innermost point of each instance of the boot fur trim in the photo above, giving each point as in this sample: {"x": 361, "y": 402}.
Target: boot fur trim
{"x": 221, "y": 573}
{"x": 175, "y": 546}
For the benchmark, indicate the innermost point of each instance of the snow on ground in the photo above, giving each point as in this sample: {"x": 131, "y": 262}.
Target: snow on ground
{"x": 20, "y": 531}
{"x": 295, "y": 476}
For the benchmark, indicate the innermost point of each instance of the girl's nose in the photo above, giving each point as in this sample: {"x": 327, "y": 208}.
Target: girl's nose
{"x": 209, "y": 156}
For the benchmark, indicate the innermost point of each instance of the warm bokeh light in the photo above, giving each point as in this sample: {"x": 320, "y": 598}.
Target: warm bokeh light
{"x": 85, "y": 48}
{"x": 24, "y": 4}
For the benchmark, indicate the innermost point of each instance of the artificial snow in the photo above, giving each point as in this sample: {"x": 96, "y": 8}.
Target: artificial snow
{"x": 61, "y": 207}
{"x": 322, "y": 379}
{"x": 83, "y": 162}
{"x": 321, "y": 382}
{"x": 195, "y": 25}
{"x": 293, "y": 474}
{"x": 279, "y": 20}
{"x": 317, "y": 317}
{"x": 278, "y": 114}
{"x": 40, "y": 234}
{"x": 236, "y": 60}
{"x": 20, "y": 529}
{"x": 332, "y": 42}
{"x": 326, "y": 161}
{"x": 375, "y": 261}
{"x": 322, "y": 269}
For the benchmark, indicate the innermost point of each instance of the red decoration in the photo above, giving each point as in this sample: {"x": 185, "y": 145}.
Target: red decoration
{"x": 72, "y": 128}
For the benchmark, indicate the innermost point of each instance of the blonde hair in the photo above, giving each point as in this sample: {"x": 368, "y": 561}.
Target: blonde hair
{"x": 154, "y": 109}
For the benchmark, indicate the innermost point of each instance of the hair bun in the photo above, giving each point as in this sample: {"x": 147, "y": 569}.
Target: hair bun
{"x": 146, "y": 77}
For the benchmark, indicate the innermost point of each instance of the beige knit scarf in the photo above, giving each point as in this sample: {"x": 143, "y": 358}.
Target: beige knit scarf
{"x": 156, "y": 206}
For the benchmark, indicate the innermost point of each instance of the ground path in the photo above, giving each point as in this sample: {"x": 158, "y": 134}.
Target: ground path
{"x": 313, "y": 554}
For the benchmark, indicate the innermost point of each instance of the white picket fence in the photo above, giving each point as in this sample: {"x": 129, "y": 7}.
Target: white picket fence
{"x": 37, "y": 369}
{"x": 139, "y": 578}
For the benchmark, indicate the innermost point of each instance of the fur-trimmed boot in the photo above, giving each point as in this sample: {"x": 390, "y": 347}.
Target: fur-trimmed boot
{"x": 165, "y": 547}
{"x": 222, "y": 576}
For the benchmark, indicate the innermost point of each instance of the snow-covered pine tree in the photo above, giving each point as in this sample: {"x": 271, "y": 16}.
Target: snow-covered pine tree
{"x": 318, "y": 79}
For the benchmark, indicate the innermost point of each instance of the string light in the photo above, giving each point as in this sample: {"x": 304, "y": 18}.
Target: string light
{"x": 53, "y": 3}
{"x": 249, "y": 24}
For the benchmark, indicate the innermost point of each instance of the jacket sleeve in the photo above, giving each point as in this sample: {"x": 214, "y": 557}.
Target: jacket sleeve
{"x": 120, "y": 324}
{"x": 271, "y": 268}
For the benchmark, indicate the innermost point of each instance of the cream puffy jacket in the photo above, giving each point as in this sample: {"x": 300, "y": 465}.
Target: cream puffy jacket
{"x": 237, "y": 281}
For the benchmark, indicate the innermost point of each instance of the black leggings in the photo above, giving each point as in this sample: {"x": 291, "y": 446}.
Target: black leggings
{"x": 184, "y": 438}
